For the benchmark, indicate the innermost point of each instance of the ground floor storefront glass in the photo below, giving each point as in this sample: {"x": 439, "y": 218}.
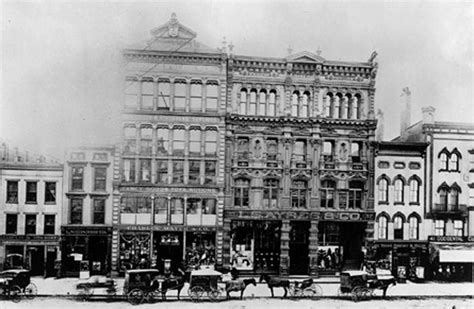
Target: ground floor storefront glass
{"x": 85, "y": 253}
{"x": 134, "y": 251}
{"x": 451, "y": 258}
{"x": 255, "y": 245}
{"x": 200, "y": 249}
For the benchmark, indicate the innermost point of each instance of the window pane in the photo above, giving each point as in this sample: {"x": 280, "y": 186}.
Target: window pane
{"x": 179, "y": 96}
{"x": 145, "y": 170}
{"x": 211, "y": 143}
{"x": 209, "y": 207}
{"x": 12, "y": 192}
{"x": 50, "y": 192}
{"x": 194, "y": 171}
{"x": 178, "y": 142}
{"x": 30, "y": 224}
{"x": 99, "y": 211}
{"x": 76, "y": 211}
{"x": 162, "y": 171}
{"x": 49, "y": 224}
{"x": 31, "y": 192}
{"x": 163, "y": 94}
{"x": 194, "y": 142}
{"x": 178, "y": 171}
{"x": 162, "y": 141}
{"x": 77, "y": 178}
{"x": 100, "y": 175}
{"x": 210, "y": 172}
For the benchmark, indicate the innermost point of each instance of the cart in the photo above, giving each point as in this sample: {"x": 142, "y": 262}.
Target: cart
{"x": 141, "y": 285}
{"x": 86, "y": 288}
{"x": 361, "y": 286}
{"x": 306, "y": 288}
{"x": 205, "y": 281}
{"x": 16, "y": 283}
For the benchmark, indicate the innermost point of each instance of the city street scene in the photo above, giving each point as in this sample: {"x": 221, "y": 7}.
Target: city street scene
{"x": 226, "y": 154}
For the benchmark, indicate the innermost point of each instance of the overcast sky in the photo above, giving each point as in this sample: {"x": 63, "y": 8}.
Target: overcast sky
{"x": 61, "y": 80}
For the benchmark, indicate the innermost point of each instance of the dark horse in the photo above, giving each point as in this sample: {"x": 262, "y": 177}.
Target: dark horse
{"x": 275, "y": 282}
{"x": 172, "y": 283}
{"x": 238, "y": 285}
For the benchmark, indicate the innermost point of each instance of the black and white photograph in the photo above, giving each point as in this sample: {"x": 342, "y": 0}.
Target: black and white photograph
{"x": 227, "y": 154}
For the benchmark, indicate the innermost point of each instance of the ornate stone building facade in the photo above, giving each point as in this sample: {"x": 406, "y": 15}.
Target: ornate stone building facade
{"x": 169, "y": 178}
{"x": 299, "y": 171}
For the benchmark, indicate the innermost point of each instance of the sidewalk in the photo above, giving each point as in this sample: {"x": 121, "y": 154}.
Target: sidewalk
{"x": 330, "y": 285}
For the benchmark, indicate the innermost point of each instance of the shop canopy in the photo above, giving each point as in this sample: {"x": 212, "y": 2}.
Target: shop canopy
{"x": 453, "y": 253}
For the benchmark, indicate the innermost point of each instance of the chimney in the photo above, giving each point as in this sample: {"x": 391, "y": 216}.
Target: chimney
{"x": 380, "y": 126}
{"x": 405, "y": 116}
{"x": 428, "y": 114}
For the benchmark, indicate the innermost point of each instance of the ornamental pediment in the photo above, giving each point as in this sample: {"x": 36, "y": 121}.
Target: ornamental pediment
{"x": 305, "y": 57}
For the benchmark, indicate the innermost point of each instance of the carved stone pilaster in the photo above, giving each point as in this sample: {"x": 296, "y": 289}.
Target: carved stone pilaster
{"x": 285, "y": 247}
{"x": 313, "y": 248}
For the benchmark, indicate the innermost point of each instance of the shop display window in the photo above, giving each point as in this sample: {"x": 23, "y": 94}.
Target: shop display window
{"x": 200, "y": 249}
{"x": 134, "y": 251}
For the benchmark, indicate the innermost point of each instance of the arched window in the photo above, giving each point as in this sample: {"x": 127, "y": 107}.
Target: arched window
{"x": 304, "y": 104}
{"x": 453, "y": 199}
{"x": 194, "y": 142}
{"x": 211, "y": 143}
{"x": 356, "y": 105}
{"x": 253, "y": 102}
{"x": 272, "y": 103}
{"x": 443, "y": 199}
{"x": 212, "y": 94}
{"x": 398, "y": 227}
{"x": 327, "y": 191}
{"x": 443, "y": 160}
{"x": 454, "y": 162}
{"x": 241, "y": 192}
{"x": 164, "y": 93}
{"x": 262, "y": 102}
{"x": 327, "y": 105}
{"x": 147, "y": 94}
{"x": 414, "y": 191}
{"x": 162, "y": 141}
{"x": 382, "y": 227}
{"x": 146, "y": 141}
{"x": 383, "y": 190}
{"x": 398, "y": 190}
{"x": 243, "y": 101}
{"x": 336, "y": 105}
{"x": 295, "y": 104}
{"x": 413, "y": 227}
{"x": 196, "y": 96}
{"x": 270, "y": 193}
{"x": 178, "y": 142}
{"x": 298, "y": 193}
{"x": 180, "y": 95}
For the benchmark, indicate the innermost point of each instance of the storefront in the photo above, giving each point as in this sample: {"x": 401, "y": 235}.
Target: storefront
{"x": 85, "y": 247}
{"x": 451, "y": 258}
{"x": 405, "y": 259}
{"x": 34, "y": 252}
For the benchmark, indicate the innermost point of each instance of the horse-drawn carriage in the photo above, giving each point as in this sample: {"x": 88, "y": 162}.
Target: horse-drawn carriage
{"x": 105, "y": 286}
{"x": 205, "y": 281}
{"x": 15, "y": 283}
{"x": 306, "y": 288}
{"x": 361, "y": 286}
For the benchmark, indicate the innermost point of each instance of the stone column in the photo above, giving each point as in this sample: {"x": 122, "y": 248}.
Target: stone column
{"x": 153, "y": 151}
{"x": 285, "y": 247}
{"x": 313, "y": 249}
{"x": 344, "y": 107}
{"x": 226, "y": 258}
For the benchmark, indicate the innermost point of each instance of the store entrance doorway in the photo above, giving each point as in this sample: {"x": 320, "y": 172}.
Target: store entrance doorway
{"x": 299, "y": 243}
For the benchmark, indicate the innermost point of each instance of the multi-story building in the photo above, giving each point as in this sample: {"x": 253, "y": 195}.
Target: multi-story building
{"x": 86, "y": 227}
{"x": 30, "y": 212}
{"x": 448, "y": 201}
{"x": 168, "y": 211}
{"x": 400, "y": 241}
{"x": 299, "y": 163}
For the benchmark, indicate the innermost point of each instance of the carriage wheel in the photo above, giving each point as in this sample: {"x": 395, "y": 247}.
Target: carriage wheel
{"x": 308, "y": 292}
{"x": 356, "y": 293}
{"x": 196, "y": 292}
{"x": 31, "y": 290}
{"x": 317, "y": 289}
{"x": 135, "y": 297}
{"x": 153, "y": 296}
{"x": 367, "y": 293}
{"x": 15, "y": 293}
{"x": 85, "y": 294}
{"x": 214, "y": 294}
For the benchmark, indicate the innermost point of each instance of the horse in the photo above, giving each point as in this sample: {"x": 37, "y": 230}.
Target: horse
{"x": 238, "y": 285}
{"x": 275, "y": 282}
{"x": 172, "y": 283}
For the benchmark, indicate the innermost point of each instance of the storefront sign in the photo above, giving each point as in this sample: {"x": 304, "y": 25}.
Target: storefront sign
{"x": 168, "y": 228}
{"x": 85, "y": 231}
{"x": 451, "y": 238}
{"x": 348, "y": 216}
{"x": 30, "y": 237}
{"x": 171, "y": 190}
{"x": 301, "y": 215}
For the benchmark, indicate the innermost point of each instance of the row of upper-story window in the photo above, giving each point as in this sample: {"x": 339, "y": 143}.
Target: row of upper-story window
{"x": 449, "y": 160}
{"x": 399, "y": 165}
{"x": 31, "y": 192}
{"x": 270, "y": 147}
{"x": 179, "y": 95}
{"x": 169, "y": 171}
{"x": 11, "y": 224}
{"x": 177, "y": 141}
{"x": 99, "y": 178}
{"x": 164, "y": 205}
{"x": 448, "y": 197}
{"x": 399, "y": 185}
{"x": 398, "y": 220}
{"x": 299, "y": 194}
{"x": 265, "y": 102}
{"x": 96, "y": 156}
{"x": 76, "y": 209}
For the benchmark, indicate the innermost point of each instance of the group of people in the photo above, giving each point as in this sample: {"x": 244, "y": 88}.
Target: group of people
{"x": 328, "y": 259}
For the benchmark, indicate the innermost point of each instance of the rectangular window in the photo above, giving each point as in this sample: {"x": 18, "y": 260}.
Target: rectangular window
{"x": 128, "y": 170}
{"x": 272, "y": 149}
{"x": 146, "y": 141}
{"x": 147, "y": 95}
{"x": 77, "y": 173}
{"x": 12, "y": 192}
{"x": 298, "y": 194}
{"x": 299, "y": 152}
{"x": 355, "y": 194}
{"x": 270, "y": 193}
{"x": 241, "y": 192}
{"x": 30, "y": 224}
{"x": 194, "y": 172}
{"x": 194, "y": 206}
{"x": 130, "y": 140}
{"x": 31, "y": 191}
{"x": 178, "y": 171}
{"x": 439, "y": 228}
{"x": 211, "y": 143}
{"x": 145, "y": 170}
{"x": 164, "y": 94}
{"x": 179, "y": 96}
{"x": 458, "y": 228}
{"x": 162, "y": 171}
{"x": 162, "y": 141}
{"x": 355, "y": 152}
{"x": 161, "y": 206}
{"x": 211, "y": 97}
{"x": 76, "y": 211}
{"x": 195, "y": 143}
{"x": 100, "y": 177}
{"x": 328, "y": 151}
{"x": 99, "y": 211}
{"x": 50, "y": 192}
{"x": 208, "y": 206}
{"x": 178, "y": 142}
{"x": 196, "y": 97}
{"x": 131, "y": 93}
{"x": 210, "y": 172}
{"x": 11, "y": 224}
{"x": 49, "y": 224}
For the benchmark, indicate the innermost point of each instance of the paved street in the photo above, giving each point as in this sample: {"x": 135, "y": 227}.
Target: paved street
{"x": 247, "y": 304}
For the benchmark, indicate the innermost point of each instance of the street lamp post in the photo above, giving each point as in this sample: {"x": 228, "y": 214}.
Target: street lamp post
{"x": 152, "y": 223}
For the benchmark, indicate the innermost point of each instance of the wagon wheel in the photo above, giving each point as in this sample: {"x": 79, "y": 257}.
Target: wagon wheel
{"x": 367, "y": 293}
{"x": 308, "y": 292}
{"x": 214, "y": 294}
{"x": 153, "y": 296}
{"x": 356, "y": 293}
{"x": 31, "y": 290}
{"x": 15, "y": 293}
{"x": 85, "y": 294}
{"x": 196, "y": 292}
{"x": 317, "y": 290}
{"x": 135, "y": 297}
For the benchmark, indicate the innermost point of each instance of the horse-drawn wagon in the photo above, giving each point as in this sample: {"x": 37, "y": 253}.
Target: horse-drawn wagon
{"x": 360, "y": 285}
{"x": 16, "y": 283}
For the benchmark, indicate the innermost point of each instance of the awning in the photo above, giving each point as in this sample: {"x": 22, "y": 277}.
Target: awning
{"x": 453, "y": 253}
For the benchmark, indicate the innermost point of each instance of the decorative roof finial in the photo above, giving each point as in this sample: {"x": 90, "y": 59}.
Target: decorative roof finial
{"x": 173, "y": 16}
{"x": 289, "y": 50}
{"x": 319, "y": 51}
{"x": 373, "y": 56}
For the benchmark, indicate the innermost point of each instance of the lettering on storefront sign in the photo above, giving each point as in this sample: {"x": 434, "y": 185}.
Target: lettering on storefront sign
{"x": 171, "y": 190}
{"x": 86, "y": 231}
{"x": 30, "y": 237}
{"x": 169, "y": 228}
{"x": 302, "y": 215}
{"x": 451, "y": 238}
